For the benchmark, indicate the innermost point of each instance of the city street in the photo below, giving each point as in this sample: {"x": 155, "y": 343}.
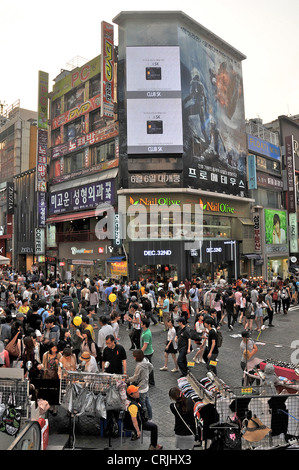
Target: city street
{"x": 272, "y": 343}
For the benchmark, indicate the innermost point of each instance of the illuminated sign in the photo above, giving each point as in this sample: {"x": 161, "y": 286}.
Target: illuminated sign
{"x": 160, "y": 201}
{"x": 217, "y": 207}
{"x": 157, "y": 252}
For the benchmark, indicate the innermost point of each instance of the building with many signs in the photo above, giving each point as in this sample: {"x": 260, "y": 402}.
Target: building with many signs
{"x": 182, "y": 147}
{"x": 83, "y": 164}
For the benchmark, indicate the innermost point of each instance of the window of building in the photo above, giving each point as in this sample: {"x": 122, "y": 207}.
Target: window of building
{"x": 56, "y": 137}
{"x": 95, "y": 86}
{"x": 74, "y": 129}
{"x": 103, "y": 152}
{"x": 96, "y": 121}
{"x": 74, "y": 162}
{"x": 56, "y": 108}
{"x": 74, "y": 98}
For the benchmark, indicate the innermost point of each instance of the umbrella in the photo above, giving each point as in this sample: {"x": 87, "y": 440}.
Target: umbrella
{"x": 4, "y": 260}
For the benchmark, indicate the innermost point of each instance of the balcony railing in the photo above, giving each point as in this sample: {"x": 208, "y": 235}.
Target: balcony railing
{"x": 76, "y": 236}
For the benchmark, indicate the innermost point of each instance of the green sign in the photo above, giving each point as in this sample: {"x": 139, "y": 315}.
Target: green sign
{"x": 275, "y": 227}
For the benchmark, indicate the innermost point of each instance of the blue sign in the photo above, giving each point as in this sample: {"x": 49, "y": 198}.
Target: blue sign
{"x": 252, "y": 179}
{"x": 262, "y": 147}
{"x": 83, "y": 197}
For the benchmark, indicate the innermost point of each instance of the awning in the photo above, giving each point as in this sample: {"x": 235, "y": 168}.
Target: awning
{"x": 253, "y": 256}
{"x": 246, "y": 221}
{"x": 115, "y": 258}
{"x": 73, "y": 216}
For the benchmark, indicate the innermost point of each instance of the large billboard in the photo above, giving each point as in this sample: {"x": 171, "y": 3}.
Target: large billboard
{"x": 213, "y": 115}
{"x": 275, "y": 227}
{"x": 154, "y": 106}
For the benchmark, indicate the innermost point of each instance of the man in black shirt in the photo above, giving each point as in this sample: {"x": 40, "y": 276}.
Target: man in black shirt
{"x": 230, "y": 306}
{"x": 211, "y": 351}
{"x": 184, "y": 346}
{"x": 116, "y": 355}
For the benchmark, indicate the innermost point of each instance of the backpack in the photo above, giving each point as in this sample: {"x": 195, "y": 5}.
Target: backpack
{"x": 146, "y": 304}
{"x": 284, "y": 294}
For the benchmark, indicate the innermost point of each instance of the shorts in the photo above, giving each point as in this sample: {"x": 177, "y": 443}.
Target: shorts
{"x": 194, "y": 304}
{"x": 171, "y": 349}
{"x": 166, "y": 316}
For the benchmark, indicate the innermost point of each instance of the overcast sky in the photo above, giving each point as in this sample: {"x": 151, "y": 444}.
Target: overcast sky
{"x": 46, "y": 36}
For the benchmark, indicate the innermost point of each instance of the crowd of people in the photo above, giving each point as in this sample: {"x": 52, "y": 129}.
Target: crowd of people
{"x": 56, "y": 326}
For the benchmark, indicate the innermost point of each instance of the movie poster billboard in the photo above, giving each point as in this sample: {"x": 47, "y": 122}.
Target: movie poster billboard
{"x": 213, "y": 115}
{"x": 275, "y": 227}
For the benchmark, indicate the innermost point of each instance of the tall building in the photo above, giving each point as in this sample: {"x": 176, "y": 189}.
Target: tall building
{"x": 83, "y": 166}
{"x": 266, "y": 186}
{"x": 182, "y": 146}
{"x": 18, "y": 134}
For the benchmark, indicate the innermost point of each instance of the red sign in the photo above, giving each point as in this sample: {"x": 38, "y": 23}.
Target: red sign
{"x": 78, "y": 111}
{"x": 107, "y": 72}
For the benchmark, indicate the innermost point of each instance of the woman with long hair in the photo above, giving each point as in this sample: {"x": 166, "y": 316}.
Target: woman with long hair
{"x": 185, "y": 426}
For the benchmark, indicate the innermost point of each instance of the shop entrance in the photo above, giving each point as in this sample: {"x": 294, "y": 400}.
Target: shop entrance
{"x": 159, "y": 272}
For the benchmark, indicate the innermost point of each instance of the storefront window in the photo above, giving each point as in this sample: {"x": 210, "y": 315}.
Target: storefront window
{"x": 266, "y": 198}
{"x": 165, "y": 228}
{"x": 277, "y": 267}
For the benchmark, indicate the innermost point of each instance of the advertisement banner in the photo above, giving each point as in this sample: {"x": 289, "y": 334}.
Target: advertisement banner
{"x": 87, "y": 196}
{"x": 42, "y": 110}
{"x": 107, "y": 72}
{"x": 213, "y": 116}
{"x": 290, "y": 174}
{"x": 275, "y": 227}
{"x": 41, "y": 166}
{"x": 84, "y": 108}
{"x": 154, "y": 106}
{"x": 78, "y": 76}
{"x": 293, "y": 226}
{"x": 94, "y": 137}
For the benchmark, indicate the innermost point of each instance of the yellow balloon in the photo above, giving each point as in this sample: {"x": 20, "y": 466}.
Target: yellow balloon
{"x": 77, "y": 321}
{"x": 112, "y": 298}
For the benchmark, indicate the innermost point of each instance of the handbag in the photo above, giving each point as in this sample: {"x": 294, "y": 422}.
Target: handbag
{"x": 196, "y": 436}
{"x": 13, "y": 348}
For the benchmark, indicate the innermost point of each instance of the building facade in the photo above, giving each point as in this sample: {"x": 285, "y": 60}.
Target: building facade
{"x": 18, "y": 137}
{"x": 182, "y": 143}
{"x": 83, "y": 164}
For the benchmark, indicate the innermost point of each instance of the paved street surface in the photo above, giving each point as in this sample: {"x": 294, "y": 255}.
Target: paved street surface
{"x": 273, "y": 343}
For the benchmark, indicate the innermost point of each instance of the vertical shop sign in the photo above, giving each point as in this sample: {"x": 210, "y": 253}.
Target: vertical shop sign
{"x": 252, "y": 179}
{"x": 10, "y": 198}
{"x": 290, "y": 174}
{"x": 107, "y": 71}
{"x": 257, "y": 233}
{"x": 42, "y": 132}
{"x": 293, "y": 230}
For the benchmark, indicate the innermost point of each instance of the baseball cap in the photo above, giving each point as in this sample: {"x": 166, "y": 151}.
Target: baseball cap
{"x": 132, "y": 389}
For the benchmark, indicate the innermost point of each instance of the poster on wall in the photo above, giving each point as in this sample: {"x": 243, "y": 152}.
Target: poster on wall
{"x": 213, "y": 116}
{"x": 275, "y": 227}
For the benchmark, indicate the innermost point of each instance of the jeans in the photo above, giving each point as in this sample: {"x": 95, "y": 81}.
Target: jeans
{"x": 151, "y": 316}
{"x": 153, "y": 428}
{"x": 213, "y": 358}
{"x": 145, "y": 402}
{"x": 182, "y": 361}
{"x": 151, "y": 378}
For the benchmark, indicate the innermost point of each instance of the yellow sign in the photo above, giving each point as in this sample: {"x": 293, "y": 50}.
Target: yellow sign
{"x": 119, "y": 268}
